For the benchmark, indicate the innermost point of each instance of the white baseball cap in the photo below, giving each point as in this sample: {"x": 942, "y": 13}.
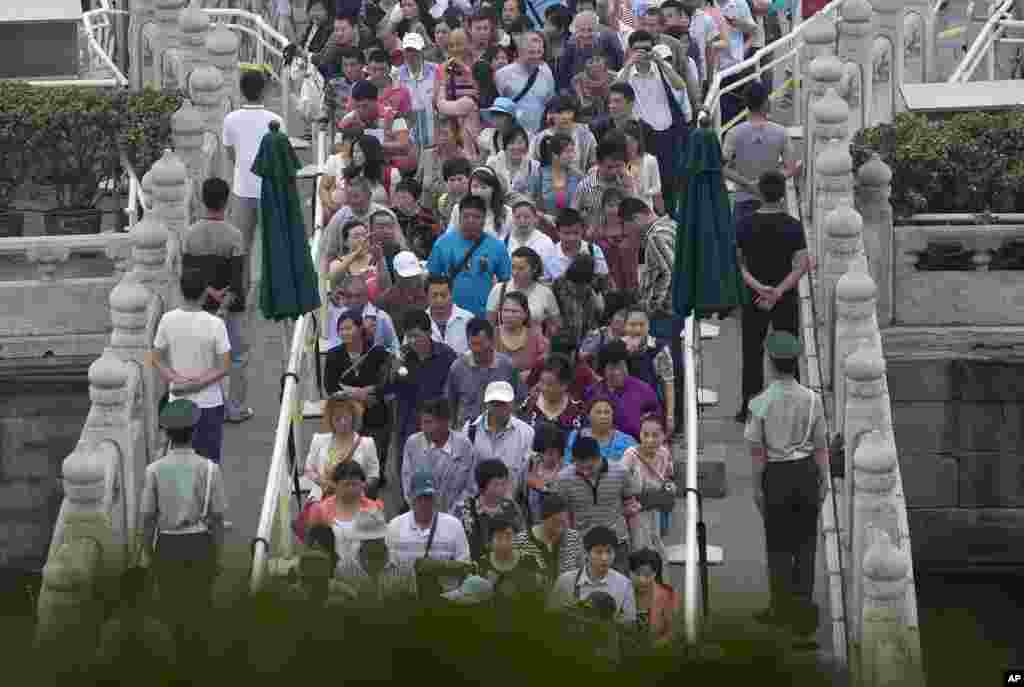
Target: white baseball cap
{"x": 407, "y": 264}
{"x": 413, "y": 41}
{"x": 499, "y": 391}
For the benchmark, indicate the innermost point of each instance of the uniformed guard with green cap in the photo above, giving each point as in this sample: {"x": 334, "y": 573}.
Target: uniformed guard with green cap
{"x": 789, "y": 447}
{"x": 182, "y": 509}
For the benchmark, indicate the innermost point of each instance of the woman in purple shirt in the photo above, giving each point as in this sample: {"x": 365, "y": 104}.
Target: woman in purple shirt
{"x": 632, "y": 397}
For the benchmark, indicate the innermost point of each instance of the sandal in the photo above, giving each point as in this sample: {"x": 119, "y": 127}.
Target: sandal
{"x": 244, "y": 415}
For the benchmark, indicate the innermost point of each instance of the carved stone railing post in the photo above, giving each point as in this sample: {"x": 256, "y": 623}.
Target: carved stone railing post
{"x": 170, "y": 190}
{"x": 222, "y": 47}
{"x": 831, "y": 116}
{"x": 822, "y": 73}
{"x": 193, "y": 25}
{"x": 874, "y": 480}
{"x": 129, "y": 304}
{"x": 166, "y": 35}
{"x": 890, "y": 645}
{"x": 833, "y": 186}
{"x": 187, "y": 130}
{"x": 841, "y": 247}
{"x": 207, "y": 89}
{"x": 888, "y": 21}
{"x": 855, "y": 37}
{"x": 854, "y": 328}
{"x": 867, "y": 408}
{"x": 149, "y": 241}
{"x": 874, "y": 185}
{"x": 819, "y": 39}
{"x": 121, "y": 253}
{"x": 47, "y": 257}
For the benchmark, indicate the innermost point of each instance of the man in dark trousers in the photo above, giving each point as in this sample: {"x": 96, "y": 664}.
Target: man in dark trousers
{"x": 789, "y": 448}
{"x": 182, "y": 509}
{"x": 772, "y": 255}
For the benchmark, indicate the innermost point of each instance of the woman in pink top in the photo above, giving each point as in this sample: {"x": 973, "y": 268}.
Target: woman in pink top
{"x": 651, "y": 462}
{"x": 516, "y": 337}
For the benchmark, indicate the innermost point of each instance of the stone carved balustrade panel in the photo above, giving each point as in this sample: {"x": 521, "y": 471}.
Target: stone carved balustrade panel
{"x": 958, "y": 275}
{"x": 56, "y": 258}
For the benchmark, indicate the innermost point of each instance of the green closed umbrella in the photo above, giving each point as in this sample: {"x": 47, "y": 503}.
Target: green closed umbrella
{"x": 288, "y": 287}
{"x": 706, "y": 278}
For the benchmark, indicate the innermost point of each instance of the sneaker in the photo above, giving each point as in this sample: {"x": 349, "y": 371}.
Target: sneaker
{"x": 742, "y": 416}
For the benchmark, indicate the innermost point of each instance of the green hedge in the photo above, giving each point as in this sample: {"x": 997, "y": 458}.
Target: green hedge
{"x": 72, "y": 138}
{"x": 970, "y": 162}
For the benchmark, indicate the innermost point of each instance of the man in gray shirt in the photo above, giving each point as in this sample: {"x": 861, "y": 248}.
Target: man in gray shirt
{"x": 446, "y": 454}
{"x": 473, "y": 371}
{"x": 754, "y": 147}
{"x": 217, "y": 249}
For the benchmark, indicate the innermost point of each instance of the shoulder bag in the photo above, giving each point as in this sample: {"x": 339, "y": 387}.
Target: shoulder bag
{"x": 532, "y": 79}
{"x": 301, "y": 521}
{"x": 661, "y": 498}
{"x": 466, "y": 258}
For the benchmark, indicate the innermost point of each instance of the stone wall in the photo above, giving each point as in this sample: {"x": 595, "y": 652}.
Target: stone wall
{"x": 40, "y": 423}
{"x": 959, "y": 426}
{"x": 976, "y": 293}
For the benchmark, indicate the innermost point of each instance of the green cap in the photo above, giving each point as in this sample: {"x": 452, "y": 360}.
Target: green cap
{"x": 783, "y": 345}
{"x": 179, "y": 414}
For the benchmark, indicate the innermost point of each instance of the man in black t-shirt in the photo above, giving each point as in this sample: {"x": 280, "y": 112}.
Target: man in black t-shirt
{"x": 772, "y": 255}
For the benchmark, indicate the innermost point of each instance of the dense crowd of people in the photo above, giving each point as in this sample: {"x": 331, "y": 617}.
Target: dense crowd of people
{"x": 504, "y": 369}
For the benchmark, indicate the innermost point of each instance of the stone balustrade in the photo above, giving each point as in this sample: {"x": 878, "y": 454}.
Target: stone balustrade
{"x": 958, "y": 275}
{"x": 94, "y": 535}
{"x": 55, "y": 258}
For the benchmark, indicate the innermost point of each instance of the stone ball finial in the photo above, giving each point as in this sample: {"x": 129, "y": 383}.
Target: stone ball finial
{"x": 83, "y": 469}
{"x": 884, "y": 562}
{"x": 108, "y": 371}
{"x": 169, "y": 170}
{"x": 150, "y": 233}
{"x": 843, "y": 222}
{"x": 129, "y": 297}
{"x": 192, "y": 20}
{"x": 186, "y": 120}
{"x": 834, "y": 161}
{"x": 856, "y": 11}
{"x": 856, "y": 287}
{"x": 821, "y": 32}
{"x": 221, "y": 41}
{"x": 875, "y": 454}
{"x": 826, "y": 69}
{"x": 865, "y": 365}
{"x": 874, "y": 172}
{"x": 830, "y": 109}
{"x": 206, "y": 79}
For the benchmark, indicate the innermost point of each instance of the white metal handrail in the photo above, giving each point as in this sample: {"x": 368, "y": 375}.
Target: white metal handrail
{"x": 690, "y": 593}
{"x": 94, "y": 44}
{"x": 990, "y": 33}
{"x": 790, "y": 42}
{"x": 275, "y": 496}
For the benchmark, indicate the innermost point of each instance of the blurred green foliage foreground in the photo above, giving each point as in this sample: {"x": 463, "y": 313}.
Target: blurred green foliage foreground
{"x": 268, "y": 640}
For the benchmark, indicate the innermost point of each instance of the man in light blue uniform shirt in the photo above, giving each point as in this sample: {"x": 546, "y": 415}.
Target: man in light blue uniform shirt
{"x": 512, "y": 80}
{"x": 489, "y": 261}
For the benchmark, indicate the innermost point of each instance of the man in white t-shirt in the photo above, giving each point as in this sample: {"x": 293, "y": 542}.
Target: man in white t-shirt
{"x": 570, "y": 244}
{"x": 525, "y": 233}
{"x": 244, "y": 130}
{"x": 192, "y": 354}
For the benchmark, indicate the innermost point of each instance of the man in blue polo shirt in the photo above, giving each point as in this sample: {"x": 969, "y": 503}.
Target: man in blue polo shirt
{"x": 471, "y": 259}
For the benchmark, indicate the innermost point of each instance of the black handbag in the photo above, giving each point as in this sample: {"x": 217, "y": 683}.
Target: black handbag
{"x": 661, "y": 498}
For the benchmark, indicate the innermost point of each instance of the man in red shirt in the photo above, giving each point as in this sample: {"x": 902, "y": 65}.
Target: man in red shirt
{"x": 383, "y": 112}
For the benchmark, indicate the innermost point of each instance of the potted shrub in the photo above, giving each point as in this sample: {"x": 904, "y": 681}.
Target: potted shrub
{"x": 968, "y": 163}
{"x": 75, "y": 134}
{"x": 145, "y": 125}
{"x": 13, "y": 148}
